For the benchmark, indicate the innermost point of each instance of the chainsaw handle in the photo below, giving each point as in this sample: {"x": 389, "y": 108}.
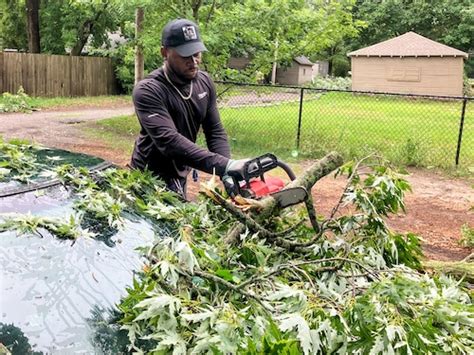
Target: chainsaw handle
{"x": 287, "y": 169}
{"x": 260, "y": 165}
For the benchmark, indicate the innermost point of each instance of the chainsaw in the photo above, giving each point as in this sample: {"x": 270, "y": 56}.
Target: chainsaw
{"x": 255, "y": 184}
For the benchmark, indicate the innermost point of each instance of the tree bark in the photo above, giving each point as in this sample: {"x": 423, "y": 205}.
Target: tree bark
{"x": 211, "y": 11}
{"x": 317, "y": 171}
{"x": 461, "y": 270}
{"x": 139, "y": 59}
{"x": 32, "y": 18}
{"x": 83, "y": 36}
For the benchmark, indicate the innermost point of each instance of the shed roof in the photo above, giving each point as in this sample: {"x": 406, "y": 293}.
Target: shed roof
{"x": 409, "y": 44}
{"x": 302, "y": 60}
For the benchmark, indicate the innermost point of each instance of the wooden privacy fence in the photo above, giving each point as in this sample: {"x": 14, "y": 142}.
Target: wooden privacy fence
{"x": 56, "y": 75}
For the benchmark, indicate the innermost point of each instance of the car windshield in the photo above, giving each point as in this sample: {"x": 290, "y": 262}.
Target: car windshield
{"x": 53, "y": 291}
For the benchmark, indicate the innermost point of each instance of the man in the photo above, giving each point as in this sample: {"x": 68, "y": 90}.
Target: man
{"x": 172, "y": 103}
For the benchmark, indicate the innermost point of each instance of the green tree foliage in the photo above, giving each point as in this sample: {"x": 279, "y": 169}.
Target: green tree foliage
{"x": 70, "y": 25}
{"x": 264, "y": 30}
{"x": 280, "y": 29}
{"x": 259, "y": 29}
{"x": 13, "y": 24}
{"x": 451, "y": 22}
{"x": 63, "y": 25}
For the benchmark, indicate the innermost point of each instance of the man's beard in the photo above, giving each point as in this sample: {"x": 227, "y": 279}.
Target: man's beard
{"x": 181, "y": 79}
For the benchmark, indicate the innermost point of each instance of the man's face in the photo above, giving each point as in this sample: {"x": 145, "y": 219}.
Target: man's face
{"x": 185, "y": 67}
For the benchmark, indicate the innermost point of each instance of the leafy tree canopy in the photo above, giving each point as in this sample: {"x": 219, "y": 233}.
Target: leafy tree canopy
{"x": 13, "y": 24}
{"x": 259, "y": 29}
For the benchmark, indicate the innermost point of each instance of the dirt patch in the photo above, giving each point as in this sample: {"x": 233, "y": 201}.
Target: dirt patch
{"x": 436, "y": 208}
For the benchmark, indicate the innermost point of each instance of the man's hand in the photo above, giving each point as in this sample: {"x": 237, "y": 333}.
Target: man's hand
{"x": 234, "y": 172}
{"x": 235, "y": 168}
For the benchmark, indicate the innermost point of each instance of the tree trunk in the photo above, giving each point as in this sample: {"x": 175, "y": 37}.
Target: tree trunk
{"x": 319, "y": 169}
{"x": 196, "y": 5}
{"x": 139, "y": 60}
{"x": 32, "y": 18}
{"x": 83, "y": 36}
{"x": 461, "y": 270}
{"x": 85, "y": 31}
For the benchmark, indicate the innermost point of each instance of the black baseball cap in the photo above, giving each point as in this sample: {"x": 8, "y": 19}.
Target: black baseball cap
{"x": 183, "y": 36}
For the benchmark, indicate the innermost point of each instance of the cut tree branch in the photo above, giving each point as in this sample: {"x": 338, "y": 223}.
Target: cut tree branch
{"x": 208, "y": 276}
{"x": 307, "y": 180}
{"x": 282, "y": 267}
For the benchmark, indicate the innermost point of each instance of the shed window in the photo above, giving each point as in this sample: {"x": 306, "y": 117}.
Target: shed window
{"x": 403, "y": 74}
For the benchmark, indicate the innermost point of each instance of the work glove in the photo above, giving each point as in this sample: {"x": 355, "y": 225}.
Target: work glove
{"x": 233, "y": 173}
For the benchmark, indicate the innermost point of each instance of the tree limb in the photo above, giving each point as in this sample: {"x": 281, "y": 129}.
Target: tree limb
{"x": 282, "y": 267}
{"x": 208, "y": 276}
{"x": 307, "y": 180}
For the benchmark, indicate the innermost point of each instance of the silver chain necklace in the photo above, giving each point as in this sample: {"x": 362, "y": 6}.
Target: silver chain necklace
{"x": 179, "y": 92}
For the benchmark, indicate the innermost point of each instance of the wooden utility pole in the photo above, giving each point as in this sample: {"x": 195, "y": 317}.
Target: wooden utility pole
{"x": 139, "y": 59}
{"x": 32, "y": 18}
{"x": 275, "y": 62}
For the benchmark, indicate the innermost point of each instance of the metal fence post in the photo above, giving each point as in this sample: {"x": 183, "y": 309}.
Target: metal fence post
{"x": 461, "y": 126}
{"x": 300, "y": 114}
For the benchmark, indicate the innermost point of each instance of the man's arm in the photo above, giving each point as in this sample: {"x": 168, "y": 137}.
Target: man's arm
{"x": 216, "y": 137}
{"x": 157, "y": 122}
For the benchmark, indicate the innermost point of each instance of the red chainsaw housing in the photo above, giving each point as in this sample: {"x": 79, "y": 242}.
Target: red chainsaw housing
{"x": 259, "y": 188}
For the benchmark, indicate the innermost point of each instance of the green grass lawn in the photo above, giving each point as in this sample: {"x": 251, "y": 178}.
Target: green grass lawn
{"x": 67, "y": 102}
{"x": 409, "y": 132}
{"x": 89, "y": 101}
{"x": 406, "y": 131}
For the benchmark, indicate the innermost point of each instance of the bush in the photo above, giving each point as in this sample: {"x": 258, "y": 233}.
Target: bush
{"x": 19, "y": 102}
{"x": 340, "y": 66}
{"x": 412, "y": 153}
{"x": 332, "y": 83}
{"x": 468, "y": 86}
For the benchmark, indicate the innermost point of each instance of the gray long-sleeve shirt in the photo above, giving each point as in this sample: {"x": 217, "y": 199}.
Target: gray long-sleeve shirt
{"x": 170, "y": 124}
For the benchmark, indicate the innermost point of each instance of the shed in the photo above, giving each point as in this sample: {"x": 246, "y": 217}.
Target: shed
{"x": 320, "y": 68}
{"x": 411, "y": 64}
{"x": 239, "y": 63}
{"x": 298, "y": 73}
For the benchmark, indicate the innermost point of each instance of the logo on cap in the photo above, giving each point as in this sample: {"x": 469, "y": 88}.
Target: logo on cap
{"x": 189, "y": 33}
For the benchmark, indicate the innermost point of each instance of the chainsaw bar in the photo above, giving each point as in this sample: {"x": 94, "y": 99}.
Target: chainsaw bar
{"x": 289, "y": 197}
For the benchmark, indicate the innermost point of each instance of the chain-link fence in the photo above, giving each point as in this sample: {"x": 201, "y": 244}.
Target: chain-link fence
{"x": 292, "y": 121}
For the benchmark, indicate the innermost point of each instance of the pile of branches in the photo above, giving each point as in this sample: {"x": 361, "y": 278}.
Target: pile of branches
{"x": 264, "y": 281}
